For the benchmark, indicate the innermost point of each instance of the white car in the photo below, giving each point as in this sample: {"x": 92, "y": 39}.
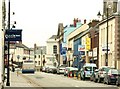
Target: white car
{"x": 61, "y": 69}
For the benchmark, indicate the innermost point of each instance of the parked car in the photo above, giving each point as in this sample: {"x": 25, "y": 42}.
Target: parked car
{"x": 87, "y": 70}
{"x": 44, "y": 69}
{"x": 61, "y": 69}
{"x": 99, "y": 76}
{"x": 51, "y": 69}
{"x": 92, "y": 76}
{"x": 118, "y": 80}
{"x": 111, "y": 76}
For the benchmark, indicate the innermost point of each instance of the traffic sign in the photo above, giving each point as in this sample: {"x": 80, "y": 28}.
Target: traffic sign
{"x": 13, "y": 35}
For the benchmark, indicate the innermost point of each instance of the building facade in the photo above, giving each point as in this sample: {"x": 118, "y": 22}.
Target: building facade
{"x": 39, "y": 56}
{"x": 113, "y": 41}
{"x": 52, "y": 51}
{"x": 73, "y": 42}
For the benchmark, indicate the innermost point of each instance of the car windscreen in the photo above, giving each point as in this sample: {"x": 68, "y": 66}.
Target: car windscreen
{"x": 106, "y": 69}
{"x": 88, "y": 68}
{"x": 115, "y": 72}
{"x": 94, "y": 68}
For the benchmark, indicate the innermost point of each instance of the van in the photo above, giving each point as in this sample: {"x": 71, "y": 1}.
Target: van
{"x": 87, "y": 70}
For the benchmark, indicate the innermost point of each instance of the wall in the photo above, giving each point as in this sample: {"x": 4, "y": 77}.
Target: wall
{"x": 102, "y": 42}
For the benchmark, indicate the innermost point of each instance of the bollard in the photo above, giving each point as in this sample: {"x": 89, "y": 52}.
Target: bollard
{"x": 79, "y": 77}
{"x": 75, "y": 75}
{"x": 70, "y": 74}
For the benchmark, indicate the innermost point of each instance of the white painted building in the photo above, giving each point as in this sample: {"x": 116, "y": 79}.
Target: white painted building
{"x": 52, "y": 51}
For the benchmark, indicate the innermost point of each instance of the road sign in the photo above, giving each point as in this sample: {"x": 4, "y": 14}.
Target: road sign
{"x": 18, "y": 56}
{"x": 13, "y": 35}
{"x": 105, "y": 48}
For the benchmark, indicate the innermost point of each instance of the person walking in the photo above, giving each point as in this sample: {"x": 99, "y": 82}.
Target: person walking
{"x": 17, "y": 72}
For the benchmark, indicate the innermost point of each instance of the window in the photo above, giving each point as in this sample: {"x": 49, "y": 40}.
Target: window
{"x": 39, "y": 56}
{"x": 55, "y": 49}
{"x": 35, "y": 56}
{"x": 39, "y": 63}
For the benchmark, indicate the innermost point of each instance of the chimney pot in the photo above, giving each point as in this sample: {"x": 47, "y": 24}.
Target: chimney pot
{"x": 74, "y": 22}
{"x": 84, "y": 21}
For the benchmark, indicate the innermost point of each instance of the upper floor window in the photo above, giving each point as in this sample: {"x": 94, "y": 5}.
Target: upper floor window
{"x": 55, "y": 49}
{"x": 35, "y": 56}
{"x": 39, "y": 56}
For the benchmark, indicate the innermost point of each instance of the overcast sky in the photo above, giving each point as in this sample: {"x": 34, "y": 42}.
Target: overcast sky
{"x": 39, "y": 19}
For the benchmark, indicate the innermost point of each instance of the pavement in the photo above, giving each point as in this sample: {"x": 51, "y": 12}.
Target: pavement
{"x": 16, "y": 80}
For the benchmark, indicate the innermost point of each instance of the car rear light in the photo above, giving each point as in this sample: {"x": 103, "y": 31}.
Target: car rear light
{"x": 111, "y": 75}
{"x": 117, "y": 76}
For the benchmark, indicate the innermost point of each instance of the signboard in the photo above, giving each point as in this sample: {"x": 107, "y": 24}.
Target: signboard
{"x": 90, "y": 53}
{"x": 94, "y": 52}
{"x": 105, "y": 48}
{"x": 88, "y": 43}
{"x": 82, "y": 52}
{"x": 81, "y": 47}
{"x": 63, "y": 49}
{"x": 13, "y": 35}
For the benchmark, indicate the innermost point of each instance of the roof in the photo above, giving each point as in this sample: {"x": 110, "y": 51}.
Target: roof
{"x": 53, "y": 37}
{"x": 21, "y": 45}
{"x": 40, "y": 49}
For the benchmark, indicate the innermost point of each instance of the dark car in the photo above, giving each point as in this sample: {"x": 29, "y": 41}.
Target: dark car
{"x": 118, "y": 80}
{"x": 111, "y": 76}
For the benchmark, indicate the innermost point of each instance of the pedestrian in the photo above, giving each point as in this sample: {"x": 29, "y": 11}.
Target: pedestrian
{"x": 17, "y": 72}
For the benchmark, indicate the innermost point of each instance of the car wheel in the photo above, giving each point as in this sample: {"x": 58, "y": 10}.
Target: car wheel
{"x": 108, "y": 82}
{"x": 104, "y": 81}
{"x": 95, "y": 80}
{"x": 91, "y": 79}
{"x": 83, "y": 77}
{"x": 99, "y": 80}
{"x": 117, "y": 83}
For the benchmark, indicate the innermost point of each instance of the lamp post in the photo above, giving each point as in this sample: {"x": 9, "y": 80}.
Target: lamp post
{"x": 106, "y": 61}
{"x": 41, "y": 57}
{"x": 8, "y": 71}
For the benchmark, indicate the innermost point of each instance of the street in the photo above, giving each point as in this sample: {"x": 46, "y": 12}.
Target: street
{"x": 48, "y": 80}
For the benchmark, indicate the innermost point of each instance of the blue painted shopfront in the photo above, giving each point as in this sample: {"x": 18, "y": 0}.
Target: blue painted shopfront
{"x": 78, "y": 62}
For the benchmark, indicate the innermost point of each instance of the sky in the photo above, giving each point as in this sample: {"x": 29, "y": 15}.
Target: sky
{"x": 39, "y": 19}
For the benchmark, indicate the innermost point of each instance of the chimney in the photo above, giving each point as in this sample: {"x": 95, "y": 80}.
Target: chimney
{"x": 74, "y": 22}
{"x": 77, "y": 20}
{"x": 35, "y": 46}
{"x": 84, "y": 21}
{"x": 93, "y": 23}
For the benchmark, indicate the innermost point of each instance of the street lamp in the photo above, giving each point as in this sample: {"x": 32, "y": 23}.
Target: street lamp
{"x": 41, "y": 57}
{"x": 106, "y": 61}
{"x": 8, "y": 71}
